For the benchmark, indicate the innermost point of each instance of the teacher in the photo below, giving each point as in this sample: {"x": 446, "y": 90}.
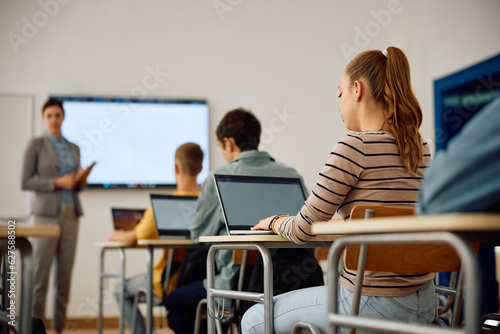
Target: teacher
{"x": 51, "y": 168}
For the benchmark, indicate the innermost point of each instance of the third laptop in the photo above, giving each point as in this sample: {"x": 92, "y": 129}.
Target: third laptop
{"x": 126, "y": 219}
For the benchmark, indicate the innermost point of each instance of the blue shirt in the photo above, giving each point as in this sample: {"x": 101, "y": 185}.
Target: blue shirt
{"x": 466, "y": 176}
{"x": 66, "y": 161}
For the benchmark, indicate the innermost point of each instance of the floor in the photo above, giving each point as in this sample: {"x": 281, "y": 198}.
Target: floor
{"x": 110, "y": 331}
{"x": 110, "y": 326}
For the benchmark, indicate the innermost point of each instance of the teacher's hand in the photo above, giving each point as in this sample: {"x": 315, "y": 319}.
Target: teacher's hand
{"x": 81, "y": 175}
{"x": 67, "y": 181}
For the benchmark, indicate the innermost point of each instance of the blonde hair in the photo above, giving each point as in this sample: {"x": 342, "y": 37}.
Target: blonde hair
{"x": 388, "y": 75}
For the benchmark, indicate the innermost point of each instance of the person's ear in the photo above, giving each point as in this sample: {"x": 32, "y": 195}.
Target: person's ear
{"x": 358, "y": 90}
{"x": 229, "y": 141}
{"x": 177, "y": 168}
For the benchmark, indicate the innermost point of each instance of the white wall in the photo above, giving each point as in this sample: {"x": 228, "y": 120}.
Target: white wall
{"x": 275, "y": 57}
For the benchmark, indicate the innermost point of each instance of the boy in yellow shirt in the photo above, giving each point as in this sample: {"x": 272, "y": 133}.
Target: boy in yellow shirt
{"x": 188, "y": 164}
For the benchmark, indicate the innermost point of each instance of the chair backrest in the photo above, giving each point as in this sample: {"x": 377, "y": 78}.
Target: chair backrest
{"x": 358, "y": 212}
{"x": 321, "y": 253}
{"x": 251, "y": 257}
{"x": 401, "y": 258}
{"x": 179, "y": 254}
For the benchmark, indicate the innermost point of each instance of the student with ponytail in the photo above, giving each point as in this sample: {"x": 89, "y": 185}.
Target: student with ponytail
{"x": 381, "y": 162}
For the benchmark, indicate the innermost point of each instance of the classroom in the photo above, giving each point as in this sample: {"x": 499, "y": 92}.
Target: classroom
{"x": 283, "y": 60}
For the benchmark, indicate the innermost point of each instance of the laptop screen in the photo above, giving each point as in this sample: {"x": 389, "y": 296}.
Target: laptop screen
{"x": 126, "y": 219}
{"x": 173, "y": 214}
{"x": 247, "y": 199}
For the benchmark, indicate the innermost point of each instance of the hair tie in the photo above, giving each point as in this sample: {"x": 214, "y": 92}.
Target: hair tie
{"x": 384, "y": 52}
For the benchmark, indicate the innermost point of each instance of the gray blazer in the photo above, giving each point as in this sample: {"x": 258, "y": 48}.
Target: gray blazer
{"x": 40, "y": 168}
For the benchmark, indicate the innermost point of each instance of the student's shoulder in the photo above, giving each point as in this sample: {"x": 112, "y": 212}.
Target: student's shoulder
{"x": 208, "y": 185}
{"x": 219, "y": 170}
{"x": 353, "y": 140}
{"x": 425, "y": 147}
{"x": 286, "y": 170}
{"x": 364, "y": 142}
{"x": 368, "y": 137}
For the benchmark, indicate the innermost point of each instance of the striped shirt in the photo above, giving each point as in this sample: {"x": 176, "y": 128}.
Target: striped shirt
{"x": 363, "y": 168}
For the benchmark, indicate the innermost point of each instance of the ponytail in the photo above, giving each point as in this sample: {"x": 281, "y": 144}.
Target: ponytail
{"x": 403, "y": 112}
{"x": 388, "y": 74}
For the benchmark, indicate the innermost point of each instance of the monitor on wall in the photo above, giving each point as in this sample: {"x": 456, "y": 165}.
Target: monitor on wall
{"x": 133, "y": 141}
{"x": 459, "y": 96}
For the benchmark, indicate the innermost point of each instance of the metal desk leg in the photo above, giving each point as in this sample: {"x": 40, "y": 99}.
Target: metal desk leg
{"x": 102, "y": 276}
{"x": 360, "y": 274}
{"x": 122, "y": 282}
{"x": 469, "y": 265}
{"x": 336, "y": 251}
{"x": 459, "y": 298}
{"x": 149, "y": 294}
{"x": 5, "y": 301}
{"x": 168, "y": 269}
{"x": 24, "y": 311}
{"x": 101, "y": 280}
{"x": 266, "y": 297}
{"x": 27, "y": 285}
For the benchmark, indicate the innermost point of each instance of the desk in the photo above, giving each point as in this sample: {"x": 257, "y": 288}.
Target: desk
{"x": 456, "y": 223}
{"x": 457, "y": 230}
{"x": 21, "y": 233}
{"x": 120, "y": 247}
{"x": 262, "y": 243}
{"x": 151, "y": 244}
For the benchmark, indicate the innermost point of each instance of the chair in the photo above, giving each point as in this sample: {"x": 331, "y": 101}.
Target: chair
{"x": 392, "y": 257}
{"x": 322, "y": 253}
{"x": 231, "y": 318}
{"x": 305, "y": 328}
{"x": 173, "y": 255}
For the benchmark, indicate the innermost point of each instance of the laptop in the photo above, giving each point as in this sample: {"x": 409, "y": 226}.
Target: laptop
{"x": 126, "y": 219}
{"x": 245, "y": 200}
{"x": 173, "y": 215}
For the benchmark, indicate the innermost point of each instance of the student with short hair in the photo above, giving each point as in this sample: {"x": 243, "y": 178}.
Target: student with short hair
{"x": 187, "y": 165}
{"x": 238, "y": 137}
{"x": 381, "y": 162}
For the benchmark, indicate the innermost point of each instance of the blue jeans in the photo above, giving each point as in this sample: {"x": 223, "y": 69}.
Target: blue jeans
{"x": 310, "y": 305}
